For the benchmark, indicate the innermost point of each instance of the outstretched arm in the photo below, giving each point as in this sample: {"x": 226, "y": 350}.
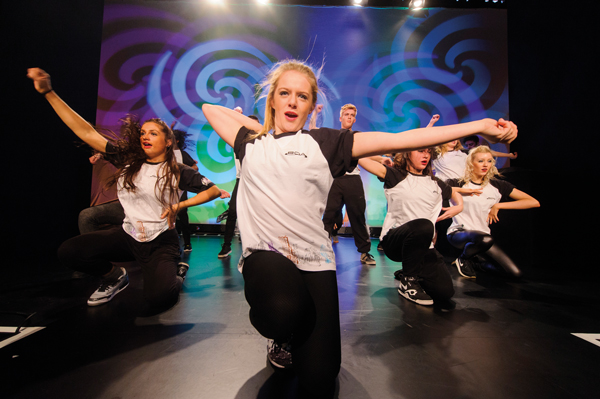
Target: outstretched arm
{"x": 200, "y": 198}
{"x": 512, "y": 155}
{"x": 72, "y": 119}
{"x": 375, "y": 143}
{"x": 227, "y": 122}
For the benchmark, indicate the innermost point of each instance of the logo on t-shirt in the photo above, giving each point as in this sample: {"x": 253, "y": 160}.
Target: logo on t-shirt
{"x": 301, "y": 154}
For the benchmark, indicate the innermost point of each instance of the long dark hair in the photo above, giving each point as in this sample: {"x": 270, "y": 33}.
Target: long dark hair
{"x": 131, "y": 158}
{"x": 401, "y": 161}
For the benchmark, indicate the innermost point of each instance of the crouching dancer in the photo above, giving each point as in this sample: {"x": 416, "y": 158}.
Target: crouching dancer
{"x": 149, "y": 184}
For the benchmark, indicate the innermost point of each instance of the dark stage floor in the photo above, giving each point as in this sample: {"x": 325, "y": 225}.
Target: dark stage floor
{"x": 505, "y": 339}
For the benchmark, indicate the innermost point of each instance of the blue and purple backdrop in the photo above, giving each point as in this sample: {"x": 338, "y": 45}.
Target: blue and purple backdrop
{"x": 166, "y": 59}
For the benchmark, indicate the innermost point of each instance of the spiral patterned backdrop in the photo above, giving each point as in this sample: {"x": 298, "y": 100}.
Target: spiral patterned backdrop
{"x": 166, "y": 59}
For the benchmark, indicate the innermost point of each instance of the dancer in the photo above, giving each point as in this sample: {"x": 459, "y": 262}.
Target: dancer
{"x": 148, "y": 185}
{"x": 483, "y": 198}
{"x": 474, "y": 141}
{"x": 348, "y": 190}
{"x": 287, "y": 260}
{"x": 414, "y": 199}
{"x": 183, "y": 219}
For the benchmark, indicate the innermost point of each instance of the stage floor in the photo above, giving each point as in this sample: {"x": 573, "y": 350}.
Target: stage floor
{"x": 505, "y": 339}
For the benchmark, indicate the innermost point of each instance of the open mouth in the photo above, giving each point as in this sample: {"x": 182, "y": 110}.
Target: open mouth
{"x": 291, "y": 115}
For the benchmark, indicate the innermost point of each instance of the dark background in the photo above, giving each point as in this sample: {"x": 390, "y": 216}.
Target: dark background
{"x": 553, "y": 99}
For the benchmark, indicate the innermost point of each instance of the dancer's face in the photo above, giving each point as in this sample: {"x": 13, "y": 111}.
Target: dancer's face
{"x": 292, "y": 102}
{"x": 154, "y": 142}
{"x": 450, "y": 146}
{"x": 482, "y": 163}
{"x": 348, "y": 118}
{"x": 470, "y": 144}
{"x": 418, "y": 161}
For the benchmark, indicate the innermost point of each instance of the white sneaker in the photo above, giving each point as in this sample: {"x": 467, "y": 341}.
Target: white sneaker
{"x": 108, "y": 289}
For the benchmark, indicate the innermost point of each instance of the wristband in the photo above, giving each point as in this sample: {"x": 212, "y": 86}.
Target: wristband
{"x": 46, "y": 92}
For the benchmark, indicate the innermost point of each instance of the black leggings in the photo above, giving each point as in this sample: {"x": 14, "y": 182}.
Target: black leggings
{"x": 410, "y": 244}
{"x": 474, "y": 242}
{"x": 231, "y": 215}
{"x": 93, "y": 253}
{"x": 287, "y": 302}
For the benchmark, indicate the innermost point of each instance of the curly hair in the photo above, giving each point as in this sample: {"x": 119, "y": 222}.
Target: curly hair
{"x": 491, "y": 173}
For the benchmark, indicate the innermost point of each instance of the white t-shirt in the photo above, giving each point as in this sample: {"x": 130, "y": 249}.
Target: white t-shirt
{"x": 284, "y": 182}
{"x": 451, "y": 165}
{"x": 477, "y": 207}
{"x": 142, "y": 207}
{"x": 412, "y": 197}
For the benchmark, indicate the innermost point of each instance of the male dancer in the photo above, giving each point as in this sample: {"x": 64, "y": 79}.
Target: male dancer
{"x": 348, "y": 190}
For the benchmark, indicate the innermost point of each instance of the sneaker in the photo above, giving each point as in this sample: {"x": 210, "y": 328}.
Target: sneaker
{"x": 410, "y": 289}
{"x": 465, "y": 268}
{"x": 279, "y": 355}
{"x": 187, "y": 248}
{"x": 182, "y": 269}
{"x": 225, "y": 251}
{"x": 335, "y": 239}
{"x": 379, "y": 247}
{"x": 223, "y": 216}
{"x": 108, "y": 289}
{"x": 367, "y": 259}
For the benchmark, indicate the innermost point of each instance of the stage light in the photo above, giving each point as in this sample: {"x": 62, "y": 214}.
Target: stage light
{"x": 262, "y": 2}
{"x": 357, "y": 2}
{"x": 416, "y": 4}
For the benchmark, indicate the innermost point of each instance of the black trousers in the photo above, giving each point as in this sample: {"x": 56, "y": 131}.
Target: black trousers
{"x": 93, "y": 253}
{"x": 410, "y": 244}
{"x": 349, "y": 191}
{"x": 474, "y": 242}
{"x": 231, "y": 216}
{"x": 285, "y": 303}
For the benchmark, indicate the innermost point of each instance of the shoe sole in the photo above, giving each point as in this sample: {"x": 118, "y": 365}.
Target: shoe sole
{"x": 225, "y": 255}
{"x": 455, "y": 263}
{"x": 107, "y": 299}
{"x": 423, "y": 302}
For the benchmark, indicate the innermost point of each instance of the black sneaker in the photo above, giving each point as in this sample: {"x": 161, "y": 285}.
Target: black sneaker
{"x": 225, "y": 251}
{"x": 279, "y": 355}
{"x": 108, "y": 289}
{"x": 182, "y": 269}
{"x": 187, "y": 248}
{"x": 367, "y": 259}
{"x": 410, "y": 289}
{"x": 464, "y": 268}
{"x": 379, "y": 247}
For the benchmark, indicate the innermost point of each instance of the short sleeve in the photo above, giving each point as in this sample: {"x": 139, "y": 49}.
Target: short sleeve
{"x": 336, "y": 146}
{"x": 190, "y": 180}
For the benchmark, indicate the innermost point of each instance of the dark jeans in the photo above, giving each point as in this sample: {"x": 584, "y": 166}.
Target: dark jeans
{"x": 93, "y": 253}
{"x": 349, "y": 191}
{"x": 474, "y": 242}
{"x": 286, "y": 302}
{"x": 95, "y": 217}
{"x": 409, "y": 244}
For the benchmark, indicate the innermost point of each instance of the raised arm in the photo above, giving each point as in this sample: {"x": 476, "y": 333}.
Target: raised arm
{"x": 433, "y": 120}
{"x": 312, "y": 124}
{"x": 373, "y": 166}
{"x": 79, "y": 126}
{"x": 375, "y": 143}
{"x": 227, "y": 122}
{"x": 511, "y": 155}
